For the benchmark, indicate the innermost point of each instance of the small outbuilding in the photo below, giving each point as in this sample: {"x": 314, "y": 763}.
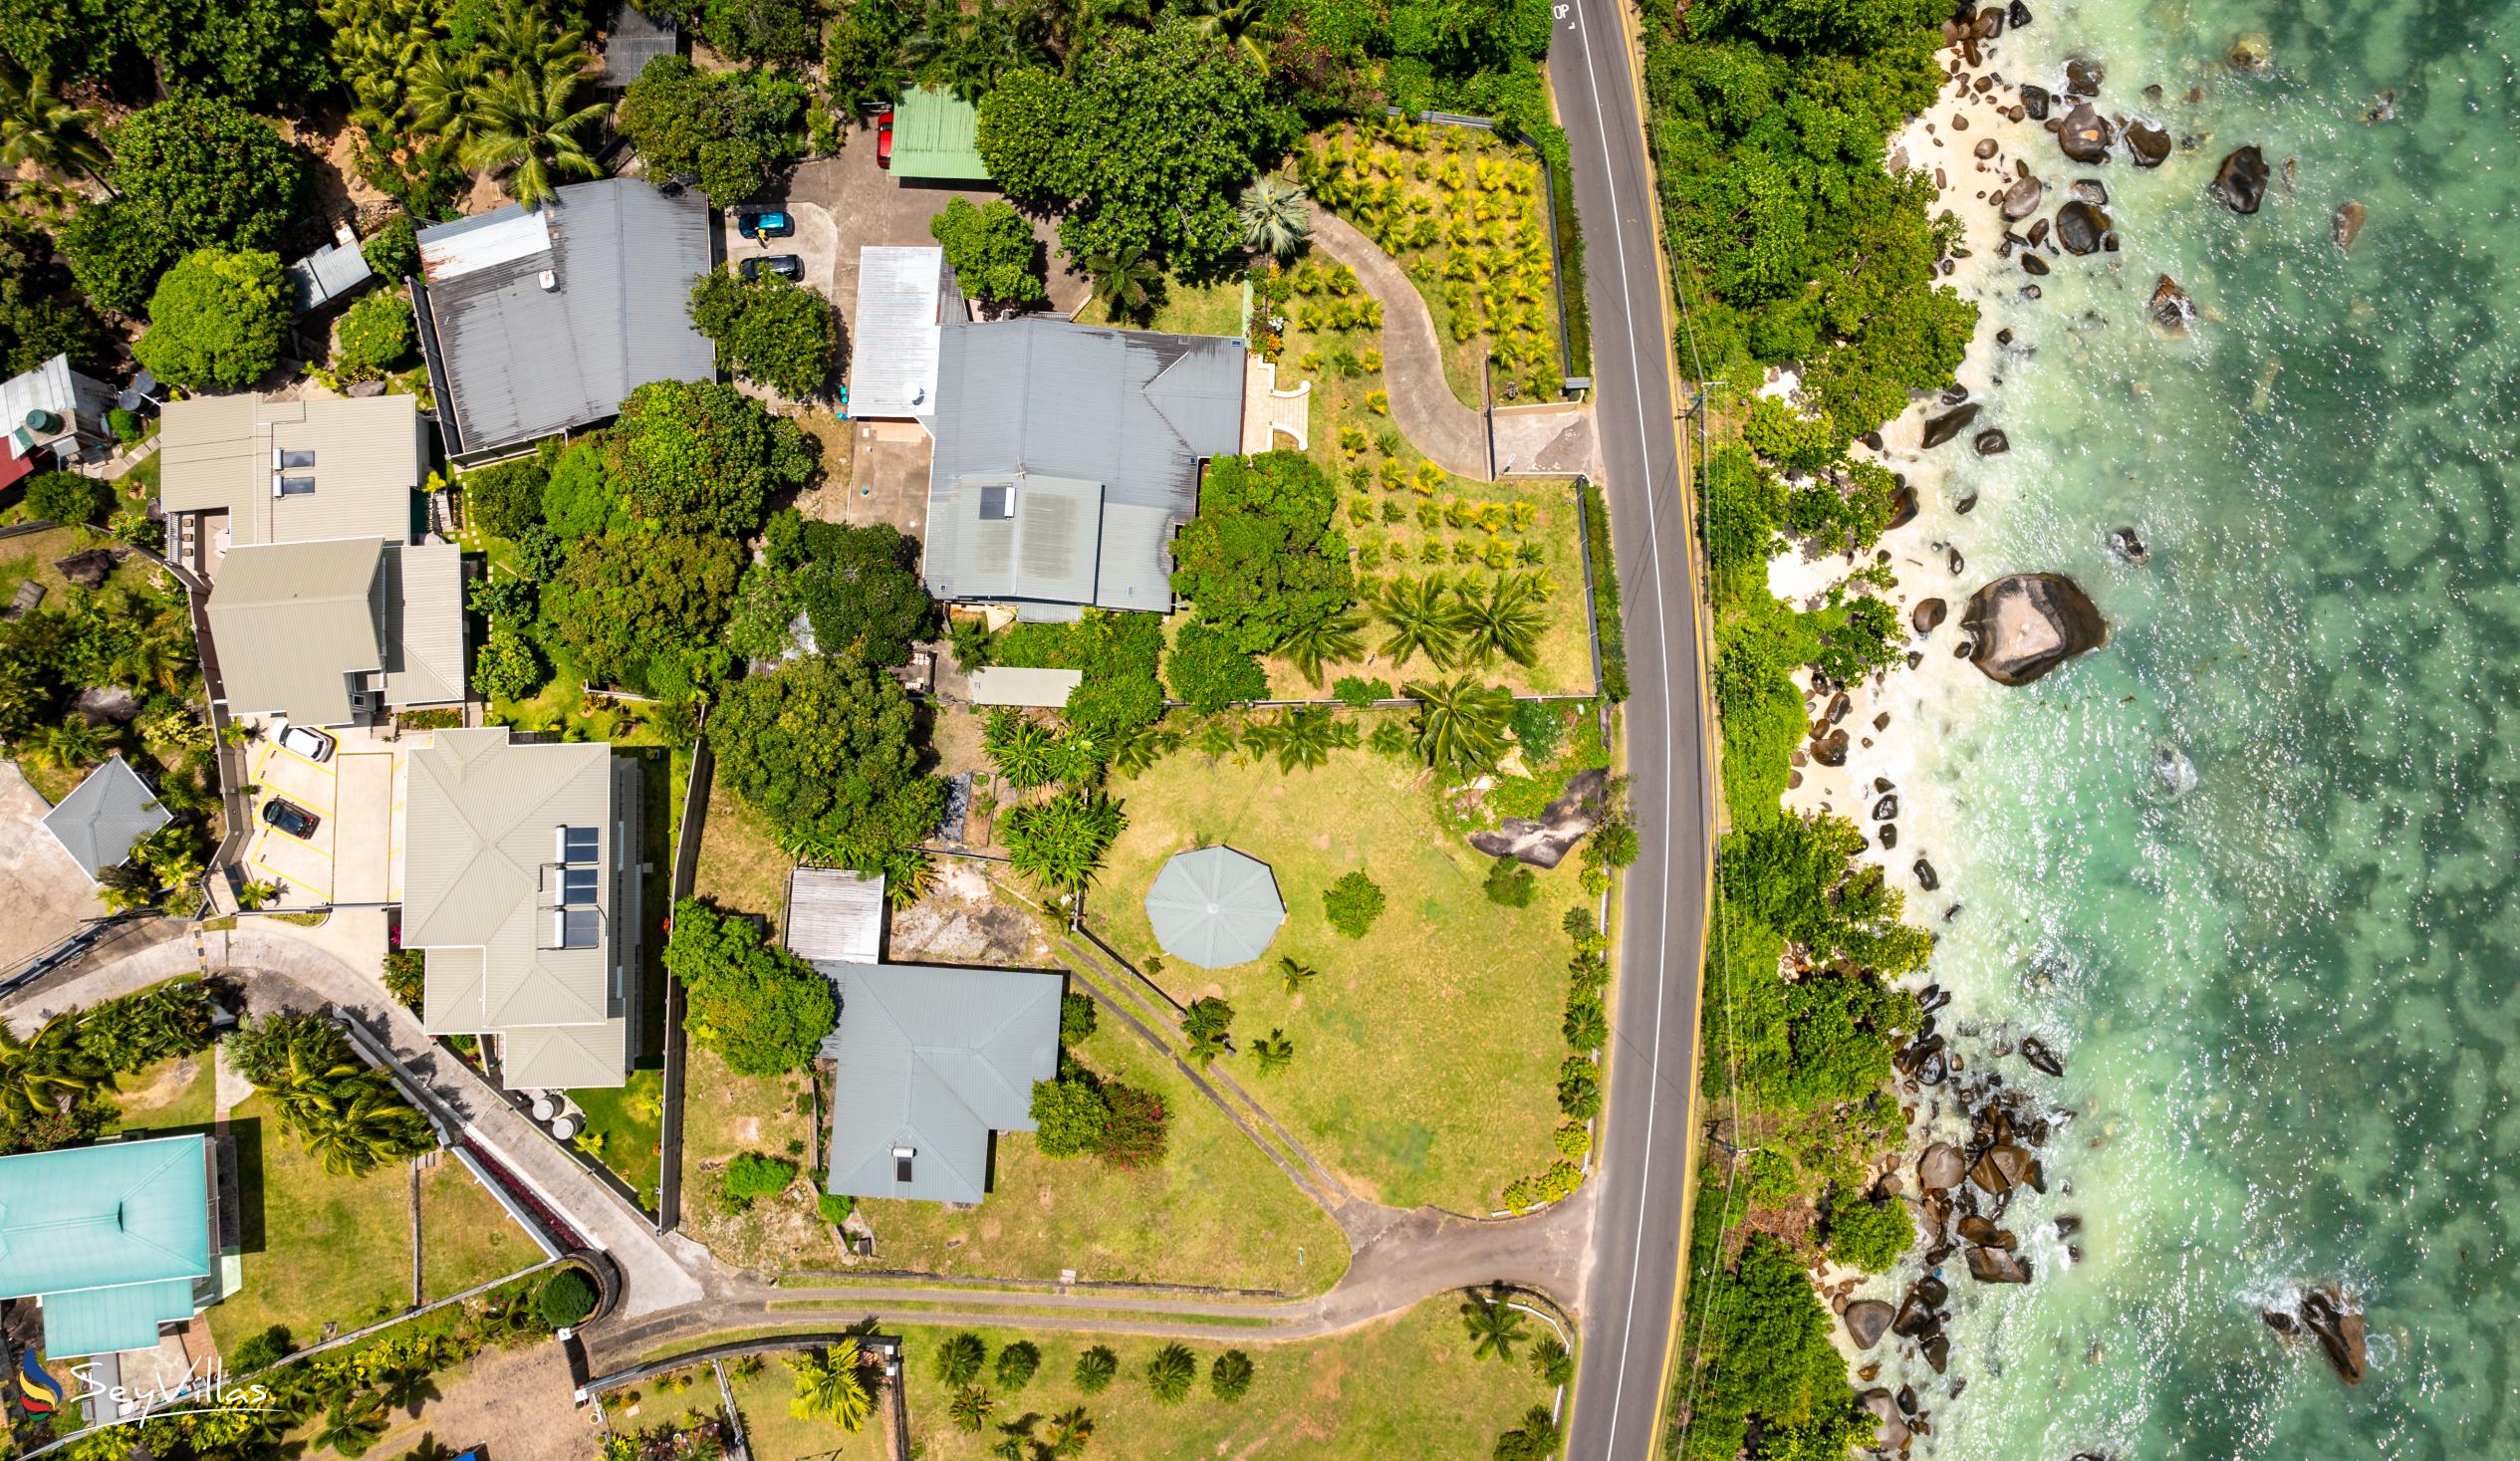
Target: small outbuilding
{"x": 105, "y": 815}
{"x": 1007, "y": 684}
{"x": 935, "y": 137}
{"x": 1216, "y": 907}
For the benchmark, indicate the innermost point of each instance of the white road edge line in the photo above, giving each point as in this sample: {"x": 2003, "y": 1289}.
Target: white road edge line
{"x": 1663, "y": 665}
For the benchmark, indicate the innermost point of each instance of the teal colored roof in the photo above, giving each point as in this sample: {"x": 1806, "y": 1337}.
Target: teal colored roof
{"x": 107, "y": 1321}
{"x": 1216, "y": 907}
{"x": 82, "y": 1225}
{"x": 935, "y": 136}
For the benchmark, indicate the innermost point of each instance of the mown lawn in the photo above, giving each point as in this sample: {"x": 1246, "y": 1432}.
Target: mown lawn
{"x": 628, "y": 1121}
{"x": 1426, "y": 1053}
{"x": 467, "y": 1238}
{"x": 170, "y": 1096}
{"x": 1217, "y": 1212}
{"x": 725, "y": 1115}
{"x": 775, "y": 1436}
{"x": 741, "y": 867}
{"x": 1185, "y": 309}
{"x": 1403, "y": 1386}
{"x": 332, "y": 1249}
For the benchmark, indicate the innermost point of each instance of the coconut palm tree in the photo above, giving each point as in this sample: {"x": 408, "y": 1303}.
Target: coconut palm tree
{"x": 359, "y": 1125}
{"x": 1419, "y": 616}
{"x": 1241, "y": 24}
{"x": 972, "y": 1406}
{"x": 1124, "y": 281}
{"x": 1062, "y": 842}
{"x": 155, "y": 659}
{"x": 829, "y": 1387}
{"x": 1308, "y": 736}
{"x": 1294, "y": 975}
{"x": 48, "y": 1070}
{"x": 1135, "y": 751}
{"x": 1170, "y": 1373}
{"x": 353, "y": 1425}
{"x": 1324, "y": 642}
{"x": 1461, "y": 724}
{"x": 1506, "y": 619}
{"x": 72, "y": 743}
{"x": 37, "y": 127}
{"x": 1494, "y": 1328}
{"x": 1019, "y": 748}
{"x": 1273, "y": 1051}
{"x": 439, "y": 92}
{"x": 527, "y": 121}
{"x": 1274, "y": 218}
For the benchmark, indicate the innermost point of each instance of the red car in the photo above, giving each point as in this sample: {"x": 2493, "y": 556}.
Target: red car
{"x": 884, "y": 137}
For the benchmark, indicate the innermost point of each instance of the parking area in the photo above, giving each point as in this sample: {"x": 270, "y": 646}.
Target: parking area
{"x": 354, "y": 853}
{"x": 42, "y": 886}
{"x": 816, "y": 244}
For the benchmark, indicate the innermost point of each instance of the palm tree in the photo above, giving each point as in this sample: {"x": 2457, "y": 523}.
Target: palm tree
{"x": 1124, "y": 281}
{"x": 37, "y": 127}
{"x": 359, "y": 1125}
{"x": 1135, "y": 751}
{"x": 73, "y": 743}
{"x": 1551, "y": 1361}
{"x": 176, "y": 728}
{"x": 526, "y": 121}
{"x": 437, "y": 95}
{"x": 972, "y": 1406}
{"x": 1308, "y": 736}
{"x": 1461, "y": 724}
{"x": 523, "y": 38}
{"x": 1019, "y": 748}
{"x": 1495, "y": 1329}
{"x": 160, "y": 659}
{"x": 1504, "y": 621}
{"x": 353, "y": 1424}
{"x": 1170, "y": 1373}
{"x": 254, "y": 896}
{"x": 1324, "y": 642}
{"x": 1070, "y": 1429}
{"x": 1273, "y": 1051}
{"x": 1062, "y": 841}
{"x": 958, "y": 1359}
{"x": 47, "y": 1071}
{"x": 829, "y": 1387}
{"x": 1095, "y": 1368}
{"x": 1420, "y": 617}
{"x": 1294, "y": 975}
{"x": 1274, "y": 218}
{"x": 1242, "y": 23}
{"x": 407, "y": 1387}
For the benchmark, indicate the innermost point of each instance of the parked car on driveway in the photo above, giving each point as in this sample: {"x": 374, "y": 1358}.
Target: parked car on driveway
{"x": 290, "y": 818}
{"x": 306, "y": 741}
{"x": 883, "y": 138}
{"x": 764, "y": 220}
{"x": 785, "y": 265}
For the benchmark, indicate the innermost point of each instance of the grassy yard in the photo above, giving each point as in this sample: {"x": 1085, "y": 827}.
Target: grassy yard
{"x": 1185, "y": 309}
{"x": 332, "y": 1249}
{"x": 467, "y": 1238}
{"x": 629, "y": 1119}
{"x": 1405, "y": 1386}
{"x": 1426, "y": 1052}
{"x": 762, "y": 1398}
{"x": 741, "y": 867}
{"x": 1216, "y": 1212}
{"x": 170, "y": 1096}
{"x": 725, "y": 1115}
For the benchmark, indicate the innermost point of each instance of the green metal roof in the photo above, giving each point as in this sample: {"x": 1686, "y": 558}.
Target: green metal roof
{"x": 1216, "y": 907}
{"x": 934, "y": 135}
{"x": 83, "y": 1225}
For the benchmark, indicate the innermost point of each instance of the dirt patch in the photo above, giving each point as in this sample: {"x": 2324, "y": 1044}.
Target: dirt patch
{"x": 966, "y": 920}
{"x": 166, "y": 1090}
{"x": 749, "y": 1130}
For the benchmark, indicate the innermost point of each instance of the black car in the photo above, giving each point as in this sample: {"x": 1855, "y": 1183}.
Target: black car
{"x": 787, "y": 266}
{"x": 290, "y": 818}
{"x": 763, "y": 220}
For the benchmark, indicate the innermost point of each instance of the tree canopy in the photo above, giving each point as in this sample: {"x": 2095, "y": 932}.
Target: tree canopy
{"x": 215, "y": 320}
{"x": 1261, "y": 560}
{"x": 721, "y": 129}
{"x": 769, "y": 330}
{"x": 202, "y": 172}
{"x": 992, "y": 249}
{"x": 760, "y": 1007}
{"x": 703, "y": 457}
{"x": 829, "y": 749}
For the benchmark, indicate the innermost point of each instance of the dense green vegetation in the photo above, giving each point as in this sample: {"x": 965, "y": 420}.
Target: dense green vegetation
{"x": 347, "y": 1114}
{"x": 831, "y": 750}
{"x": 992, "y": 249}
{"x": 215, "y": 320}
{"x": 854, "y": 585}
{"x": 761, "y": 1008}
{"x": 723, "y": 128}
{"x": 57, "y": 1085}
{"x": 769, "y": 330}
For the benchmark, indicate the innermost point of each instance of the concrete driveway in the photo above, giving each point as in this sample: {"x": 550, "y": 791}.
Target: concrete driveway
{"x": 356, "y": 854}
{"x": 816, "y": 244}
{"x": 868, "y": 206}
{"x": 43, "y": 889}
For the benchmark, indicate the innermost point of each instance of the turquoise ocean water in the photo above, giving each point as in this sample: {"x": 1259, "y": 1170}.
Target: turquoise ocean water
{"x": 2289, "y": 986}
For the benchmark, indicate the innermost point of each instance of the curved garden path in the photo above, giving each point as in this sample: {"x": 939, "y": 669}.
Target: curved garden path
{"x": 1451, "y": 435}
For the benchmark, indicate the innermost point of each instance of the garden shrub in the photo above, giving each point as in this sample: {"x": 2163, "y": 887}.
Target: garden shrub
{"x": 751, "y": 1176}
{"x": 1352, "y": 903}
{"x": 67, "y": 498}
{"x": 565, "y": 1300}
{"x": 1872, "y": 1236}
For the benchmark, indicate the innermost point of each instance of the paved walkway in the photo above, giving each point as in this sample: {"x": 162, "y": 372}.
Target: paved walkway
{"x": 1432, "y": 418}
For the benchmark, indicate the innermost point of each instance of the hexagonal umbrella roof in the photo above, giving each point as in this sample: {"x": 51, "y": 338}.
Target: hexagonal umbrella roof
{"x": 1216, "y": 907}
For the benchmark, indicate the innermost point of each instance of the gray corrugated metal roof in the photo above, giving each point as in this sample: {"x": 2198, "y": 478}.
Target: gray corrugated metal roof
{"x": 932, "y": 1060}
{"x": 892, "y": 337}
{"x": 50, "y": 386}
{"x": 424, "y": 623}
{"x": 293, "y": 622}
{"x": 834, "y": 913}
{"x": 517, "y": 362}
{"x": 369, "y": 458}
{"x": 1005, "y": 685}
{"x": 481, "y": 822}
{"x": 636, "y": 38}
{"x": 1024, "y": 537}
{"x": 1216, "y": 907}
{"x": 1133, "y": 410}
{"x": 323, "y": 277}
{"x": 104, "y": 815}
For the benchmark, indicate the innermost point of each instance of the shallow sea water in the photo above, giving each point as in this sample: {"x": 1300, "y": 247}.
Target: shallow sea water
{"x": 2289, "y": 993}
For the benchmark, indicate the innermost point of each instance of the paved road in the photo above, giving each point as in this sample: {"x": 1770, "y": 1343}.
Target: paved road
{"x": 1633, "y": 1270}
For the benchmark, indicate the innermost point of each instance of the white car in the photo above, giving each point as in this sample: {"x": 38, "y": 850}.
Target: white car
{"x": 306, "y": 741}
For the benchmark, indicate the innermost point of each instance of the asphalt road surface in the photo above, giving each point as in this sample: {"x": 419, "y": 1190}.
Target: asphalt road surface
{"x": 1632, "y": 1277}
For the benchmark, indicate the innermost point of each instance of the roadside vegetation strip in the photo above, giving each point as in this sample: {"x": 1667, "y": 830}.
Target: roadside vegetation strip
{"x": 810, "y": 1281}
{"x": 1602, "y": 561}
{"x": 1046, "y": 1311}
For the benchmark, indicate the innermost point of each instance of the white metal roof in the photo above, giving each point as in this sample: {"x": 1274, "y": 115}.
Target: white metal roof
{"x": 893, "y": 334}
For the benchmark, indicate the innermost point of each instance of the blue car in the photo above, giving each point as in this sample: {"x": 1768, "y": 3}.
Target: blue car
{"x": 764, "y": 221}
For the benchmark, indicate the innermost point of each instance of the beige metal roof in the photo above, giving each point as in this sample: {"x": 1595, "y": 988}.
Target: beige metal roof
{"x": 1001, "y": 684}
{"x": 424, "y": 623}
{"x": 293, "y": 622}
{"x": 367, "y": 458}
{"x": 834, "y": 913}
{"x": 481, "y": 848}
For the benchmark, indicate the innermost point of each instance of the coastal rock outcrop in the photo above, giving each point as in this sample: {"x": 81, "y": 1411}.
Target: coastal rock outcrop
{"x": 2171, "y": 308}
{"x": 1927, "y": 615}
{"x": 2023, "y": 198}
{"x": 2150, "y": 145}
{"x": 1867, "y": 1321}
{"x": 2080, "y": 227}
{"x": 1940, "y": 1168}
{"x": 2254, "y": 52}
{"x": 1561, "y": 824}
{"x": 1950, "y": 424}
{"x": 2241, "y": 181}
{"x": 2034, "y": 102}
{"x": 2082, "y": 77}
{"x": 2329, "y": 1317}
{"x": 1991, "y": 442}
{"x": 2346, "y": 226}
{"x": 2085, "y": 134}
{"x": 2026, "y": 624}
{"x": 1995, "y": 1266}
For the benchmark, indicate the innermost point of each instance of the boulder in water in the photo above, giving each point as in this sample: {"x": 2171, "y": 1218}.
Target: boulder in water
{"x": 2150, "y": 145}
{"x": 1982, "y": 1230}
{"x": 1991, "y": 442}
{"x": 1942, "y": 428}
{"x": 2169, "y": 307}
{"x": 2022, "y": 198}
{"x": 1867, "y": 1321}
{"x": 1562, "y": 823}
{"x": 2327, "y": 1316}
{"x": 1926, "y": 878}
{"x": 2033, "y": 264}
{"x": 2348, "y": 224}
{"x": 2080, "y": 227}
{"x": 2034, "y": 102}
{"x": 2085, "y": 134}
{"x": 2001, "y": 1169}
{"x": 2082, "y": 77}
{"x": 1940, "y": 1168}
{"x": 2088, "y": 191}
{"x": 2254, "y": 52}
{"x": 2018, "y": 13}
{"x": 2029, "y": 623}
{"x": 1995, "y": 1266}
{"x": 2242, "y": 180}
{"x": 1903, "y": 507}
{"x": 2127, "y": 544}
{"x": 2041, "y": 1058}
{"x": 2174, "y": 772}
{"x": 1891, "y": 1434}
{"x": 1927, "y": 615}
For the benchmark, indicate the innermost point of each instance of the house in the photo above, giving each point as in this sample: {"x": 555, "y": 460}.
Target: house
{"x": 520, "y": 888}
{"x": 104, "y": 815}
{"x": 1067, "y": 456}
{"x": 112, "y": 1240}
{"x": 52, "y": 415}
{"x": 543, "y": 320}
{"x": 935, "y": 137}
{"x": 905, "y": 296}
{"x": 636, "y": 38}
{"x": 301, "y": 514}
